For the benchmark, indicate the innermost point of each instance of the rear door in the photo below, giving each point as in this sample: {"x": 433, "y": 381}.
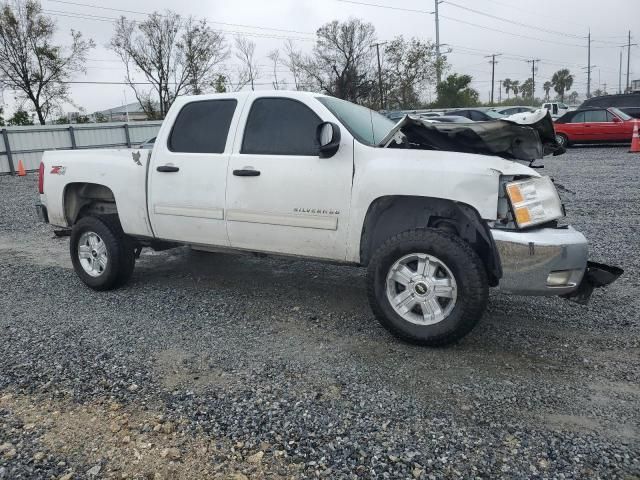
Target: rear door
{"x": 188, "y": 172}
{"x": 282, "y": 197}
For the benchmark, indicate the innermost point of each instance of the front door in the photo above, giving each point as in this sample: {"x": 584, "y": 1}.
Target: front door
{"x": 282, "y": 197}
{"x": 188, "y": 173}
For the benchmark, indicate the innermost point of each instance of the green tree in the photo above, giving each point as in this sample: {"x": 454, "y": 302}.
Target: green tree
{"x": 220, "y": 84}
{"x": 573, "y": 98}
{"x": 507, "y": 84}
{"x": 515, "y": 87}
{"x": 20, "y": 118}
{"x": 31, "y": 63}
{"x": 547, "y": 88}
{"x": 527, "y": 88}
{"x": 455, "y": 91}
{"x": 100, "y": 117}
{"x": 409, "y": 66}
{"x": 61, "y": 121}
{"x": 562, "y": 81}
{"x": 83, "y": 119}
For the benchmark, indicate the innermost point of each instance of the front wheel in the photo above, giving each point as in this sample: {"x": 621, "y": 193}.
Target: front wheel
{"x": 427, "y": 287}
{"x": 102, "y": 255}
{"x": 562, "y": 140}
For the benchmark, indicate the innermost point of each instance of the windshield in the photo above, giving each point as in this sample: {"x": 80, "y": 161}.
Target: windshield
{"x": 365, "y": 125}
{"x": 620, "y": 113}
{"x": 492, "y": 114}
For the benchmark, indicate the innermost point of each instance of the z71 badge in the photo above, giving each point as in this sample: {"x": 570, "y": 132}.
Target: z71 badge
{"x": 58, "y": 170}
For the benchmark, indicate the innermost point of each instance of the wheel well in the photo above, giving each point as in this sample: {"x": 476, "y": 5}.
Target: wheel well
{"x": 82, "y": 199}
{"x": 388, "y": 216}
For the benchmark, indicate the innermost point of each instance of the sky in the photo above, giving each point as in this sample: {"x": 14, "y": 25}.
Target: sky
{"x": 553, "y": 31}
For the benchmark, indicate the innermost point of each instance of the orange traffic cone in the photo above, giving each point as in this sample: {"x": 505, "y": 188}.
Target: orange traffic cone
{"x": 635, "y": 139}
{"x": 22, "y": 172}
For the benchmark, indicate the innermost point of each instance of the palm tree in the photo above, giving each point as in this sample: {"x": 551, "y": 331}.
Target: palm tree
{"x": 562, "y": 81}
{"x": 507, "y": 85}
{"x": 515, "y": 86}
{"x": 527, "y": 88}
{"x": 547, "y": 88}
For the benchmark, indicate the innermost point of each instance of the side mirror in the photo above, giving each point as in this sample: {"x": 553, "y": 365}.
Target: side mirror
{"x": 328, "y": 136}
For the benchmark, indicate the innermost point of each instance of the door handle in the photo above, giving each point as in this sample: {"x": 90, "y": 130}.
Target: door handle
{"x": 168, "y": 168}
{"x": 246, "y": 172}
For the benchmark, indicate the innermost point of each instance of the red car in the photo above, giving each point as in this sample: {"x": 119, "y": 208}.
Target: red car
{"x": 594, "y": 125}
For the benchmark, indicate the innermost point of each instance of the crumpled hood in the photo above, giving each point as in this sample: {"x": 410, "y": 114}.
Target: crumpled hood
{"x": 524, "y": 136}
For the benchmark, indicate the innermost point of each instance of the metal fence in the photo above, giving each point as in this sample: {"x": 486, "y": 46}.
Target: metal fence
{"x": 28, "y": 143}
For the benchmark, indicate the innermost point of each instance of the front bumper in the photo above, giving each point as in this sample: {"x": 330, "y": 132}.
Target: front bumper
{"x": 529, "y": 257}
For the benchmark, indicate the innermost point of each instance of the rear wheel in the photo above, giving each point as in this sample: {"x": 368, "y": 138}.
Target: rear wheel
{"x": 102, "y": 255}
{"x": 562, "y": 140}
{"x": 427, "y": 287}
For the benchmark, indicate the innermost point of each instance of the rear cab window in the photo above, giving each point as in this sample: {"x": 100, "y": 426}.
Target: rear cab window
{"x": 202, "y": 126}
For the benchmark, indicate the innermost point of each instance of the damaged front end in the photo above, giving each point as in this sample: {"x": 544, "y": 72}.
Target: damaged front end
{"x": 595, "y": 276}
{"x": 537, "y": 256}
{"x": 526, "y": 137}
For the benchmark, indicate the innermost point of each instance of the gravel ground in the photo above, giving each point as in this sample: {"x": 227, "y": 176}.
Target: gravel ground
{"x": 219, "y": 366}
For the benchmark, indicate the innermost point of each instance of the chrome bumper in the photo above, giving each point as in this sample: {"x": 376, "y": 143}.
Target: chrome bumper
{"x": 529, "y": 257}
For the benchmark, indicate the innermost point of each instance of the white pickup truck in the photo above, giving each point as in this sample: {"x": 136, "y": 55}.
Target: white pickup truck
{"x": 438, "y": 213}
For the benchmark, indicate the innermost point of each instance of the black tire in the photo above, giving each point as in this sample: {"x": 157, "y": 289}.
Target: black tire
{"x": 466, "y": 267}
{"x": 562, "y": 140}
{"x": 120, "y": 252}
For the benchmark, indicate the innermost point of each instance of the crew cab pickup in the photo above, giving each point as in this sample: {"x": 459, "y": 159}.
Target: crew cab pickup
{"x": 438, "y": 213}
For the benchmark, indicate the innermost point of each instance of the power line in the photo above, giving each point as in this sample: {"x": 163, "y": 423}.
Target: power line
{"x": 86, "y": 16}
{"x": 137, "y": 12}
{"x": 514, "y": 22}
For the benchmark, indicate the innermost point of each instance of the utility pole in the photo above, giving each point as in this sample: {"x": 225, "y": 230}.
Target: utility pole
{"x": 377, "y": 45}
{"x": 629, "y": 45}
{"x": 500, "y": 91}
{"x": 438, "y": 67}
{"x": 589, "y": 65}
{"x": 533, "y": 76}
{"x": 620, "y": 74}
{"x": 493, "y": 71}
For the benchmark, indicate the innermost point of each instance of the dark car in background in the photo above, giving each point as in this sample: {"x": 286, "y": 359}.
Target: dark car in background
{"x": 475, "y": 114}
{"x": 594, "y": 125}
{"x": 629, "y": 103}
{"x": 450, "y": 119}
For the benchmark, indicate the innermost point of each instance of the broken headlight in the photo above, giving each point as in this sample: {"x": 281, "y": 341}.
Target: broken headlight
{"x": 534, "y": 201}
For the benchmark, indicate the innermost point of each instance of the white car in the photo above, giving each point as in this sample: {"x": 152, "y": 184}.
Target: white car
{"x": 556, "y": 109}
{"x": 313, "y": 176}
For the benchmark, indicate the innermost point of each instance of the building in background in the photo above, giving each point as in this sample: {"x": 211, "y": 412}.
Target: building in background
{"x": 635, "y": 86}
{"x": 131, "y": 112}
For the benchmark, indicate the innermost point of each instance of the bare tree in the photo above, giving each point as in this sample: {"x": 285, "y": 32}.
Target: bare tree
{"x": 204, "y": 50}
{"x": 293, "y": 62}
{"x": 176, "y": 56}
{"x": 245, "y": 52}
{"x": 341, "y": 63}
{"x": 29, "y": 61}
{"x": 274, "y": 56}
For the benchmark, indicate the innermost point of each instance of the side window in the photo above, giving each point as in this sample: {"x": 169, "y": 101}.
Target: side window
{"x": 609, "y": 116}
{"x": 202, "y": 126}
{"x": 578, "y": 118}
{"x": 477, "y": 116}
{"x": 280, "y": 126}
{"x": 595, "y": 116}
{"x": 555, "y": 108}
